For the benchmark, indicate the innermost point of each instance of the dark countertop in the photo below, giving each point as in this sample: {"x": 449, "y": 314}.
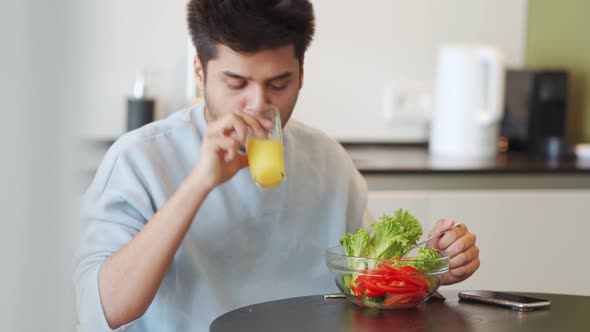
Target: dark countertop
{"x": 313, "y": 313}
{"x": 414, "y": 159}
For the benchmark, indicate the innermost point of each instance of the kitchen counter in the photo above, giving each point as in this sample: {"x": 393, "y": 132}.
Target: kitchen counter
{"x": 390, "y": 167}
{"x": 376, "y": 158}
{"x": 407, "y": 167}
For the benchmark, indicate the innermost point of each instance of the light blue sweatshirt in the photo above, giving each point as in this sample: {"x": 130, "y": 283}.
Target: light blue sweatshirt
{"x": 245, "y": 245}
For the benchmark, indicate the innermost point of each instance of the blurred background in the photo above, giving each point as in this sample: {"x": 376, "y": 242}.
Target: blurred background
{"x": 76, "y": 75}
{"x": 38, "y": 194}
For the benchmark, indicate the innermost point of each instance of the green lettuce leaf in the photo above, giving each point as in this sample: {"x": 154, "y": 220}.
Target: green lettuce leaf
{"x": 355, "y": 243}
{"x": 424, "y": 260}
{"x": 393, "y": 235}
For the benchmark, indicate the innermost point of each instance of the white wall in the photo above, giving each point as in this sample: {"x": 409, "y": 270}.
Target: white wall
{"x": 359, "y": 47}
{"x": 113, "y": 40}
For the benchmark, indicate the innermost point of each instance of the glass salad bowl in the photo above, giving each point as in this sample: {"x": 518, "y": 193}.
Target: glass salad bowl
{"x": 386, "y": 283}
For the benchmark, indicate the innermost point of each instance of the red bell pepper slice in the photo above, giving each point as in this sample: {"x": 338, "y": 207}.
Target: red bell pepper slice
{"x": 390, "y": 270}
{"x": 373, "y": 289}
{"x": 409, "y": 269}
{"x": 370, "y": 293}
{"x": 399, "y": 299}
{"x": 397, "y": 289}
{"x": 418, "y": 281}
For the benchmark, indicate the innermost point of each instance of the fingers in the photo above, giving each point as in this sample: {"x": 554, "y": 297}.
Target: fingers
{"x": 457, "y": 242}
{"x": 465, "y": 271}
{"x": 238, "y": 125}
{"x": 242, "y": 160}
{"x": 229, "y": 133}
{"x": 219, "y": 159}
{"x": 465, "y": 257}
{"x": 227, "y": 147}
{"x": 450, "y": 238}
{"x": 459, "y": 245}
{"x": 252, "y": 123}
{"x": 265, "y": 122}
{"x": 461, "y": 273}
{"x": 441, "y": 225}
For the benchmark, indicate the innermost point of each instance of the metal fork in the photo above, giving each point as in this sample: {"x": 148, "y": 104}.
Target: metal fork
{"x": 428, "y": 239}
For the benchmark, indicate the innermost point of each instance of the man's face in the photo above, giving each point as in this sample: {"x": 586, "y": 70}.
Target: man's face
{"x": 237, "y": 81}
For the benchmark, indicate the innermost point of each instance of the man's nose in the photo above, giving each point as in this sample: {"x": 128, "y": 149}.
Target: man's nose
{"x": 258, "y": 99}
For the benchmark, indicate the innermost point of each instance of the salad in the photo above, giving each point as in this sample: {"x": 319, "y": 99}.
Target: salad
{"x": 385, "y": 279}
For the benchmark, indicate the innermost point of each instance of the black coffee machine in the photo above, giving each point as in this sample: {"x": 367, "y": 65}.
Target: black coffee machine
{"x": 535, "y": 112}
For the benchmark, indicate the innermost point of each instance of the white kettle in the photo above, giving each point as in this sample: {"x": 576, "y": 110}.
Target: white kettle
{"x": 469, "y": 103}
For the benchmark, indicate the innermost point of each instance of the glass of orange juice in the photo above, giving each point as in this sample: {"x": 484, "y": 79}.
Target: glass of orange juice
{"x": 265, "y": 154}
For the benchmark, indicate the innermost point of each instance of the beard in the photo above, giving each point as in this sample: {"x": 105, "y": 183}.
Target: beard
{"x": 211, "y": 113}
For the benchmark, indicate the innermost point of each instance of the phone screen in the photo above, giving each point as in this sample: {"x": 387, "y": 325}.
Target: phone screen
{"x": 505, "y": 296}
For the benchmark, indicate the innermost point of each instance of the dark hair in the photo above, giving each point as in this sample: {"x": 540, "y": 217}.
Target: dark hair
{"x": 248, "y": 26}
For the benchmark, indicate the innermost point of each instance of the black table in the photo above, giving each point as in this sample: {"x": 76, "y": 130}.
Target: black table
{"x": 313, "y": 313}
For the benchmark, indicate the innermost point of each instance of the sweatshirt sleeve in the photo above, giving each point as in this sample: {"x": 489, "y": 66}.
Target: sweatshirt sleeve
{"x": 114, "y": 210}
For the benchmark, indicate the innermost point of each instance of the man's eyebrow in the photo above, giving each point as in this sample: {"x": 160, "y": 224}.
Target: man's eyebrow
{"x": 274, "y": 78}
{"x": 234, "y": 75}
{"x": 280, "y": 76}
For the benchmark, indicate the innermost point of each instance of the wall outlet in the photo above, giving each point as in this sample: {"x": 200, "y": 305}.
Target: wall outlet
{"x": 407, "y": 100}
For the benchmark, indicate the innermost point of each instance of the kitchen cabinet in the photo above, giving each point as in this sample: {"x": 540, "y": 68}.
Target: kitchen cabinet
{"x": 529, "y": 239}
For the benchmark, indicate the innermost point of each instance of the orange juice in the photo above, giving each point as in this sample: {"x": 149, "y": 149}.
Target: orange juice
{"x": 266, "y": 159}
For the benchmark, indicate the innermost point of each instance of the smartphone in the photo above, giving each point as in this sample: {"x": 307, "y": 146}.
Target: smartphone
{"x": 512, "y": 301}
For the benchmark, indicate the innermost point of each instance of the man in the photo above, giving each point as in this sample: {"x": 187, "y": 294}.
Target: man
{"x": 174, "y": 231}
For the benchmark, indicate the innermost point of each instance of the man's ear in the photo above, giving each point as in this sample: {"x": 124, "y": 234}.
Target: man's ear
{"x": 199, "y": 72}
{"x": 301, "y": 74}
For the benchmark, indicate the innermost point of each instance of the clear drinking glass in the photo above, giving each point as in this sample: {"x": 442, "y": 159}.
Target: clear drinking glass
{"x": 265, "y": 155}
